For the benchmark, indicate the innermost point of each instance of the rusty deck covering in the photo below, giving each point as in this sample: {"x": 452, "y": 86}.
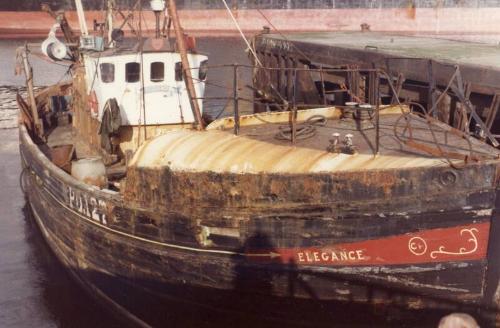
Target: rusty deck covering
{"x": 462, "y": 53}
{"x": 257, "y": 150}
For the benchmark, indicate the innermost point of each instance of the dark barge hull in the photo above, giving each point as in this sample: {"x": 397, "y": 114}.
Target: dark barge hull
{"x": 121, "y": 252}
{"x": 421, "y": 68}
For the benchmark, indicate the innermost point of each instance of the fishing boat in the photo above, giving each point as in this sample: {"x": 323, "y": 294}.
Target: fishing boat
{"x": 284, "y": 213}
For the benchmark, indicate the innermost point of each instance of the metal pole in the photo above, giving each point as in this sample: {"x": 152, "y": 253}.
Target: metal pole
{"x": 236, "y": 101}
{"x": 322, "y": 84}
{"x": 157, "y": 28}
{"x": 294, "y": 107}
{"x": 431, "y": 96}
{"x": 109, "y": 18}
{"x": 28, "y": 72}
{"x": 188, "y": 78}
{"x": 143, "y": 92}
{"x": 377, "y": 115}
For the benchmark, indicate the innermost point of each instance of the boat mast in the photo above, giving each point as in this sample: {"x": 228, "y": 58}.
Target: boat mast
{"x": 188, "y": 78}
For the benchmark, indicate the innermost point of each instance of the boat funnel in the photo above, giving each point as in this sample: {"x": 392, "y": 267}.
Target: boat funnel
{"x": 52, "y": 47}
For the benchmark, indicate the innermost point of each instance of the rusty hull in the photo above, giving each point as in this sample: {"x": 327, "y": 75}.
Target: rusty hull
{"x": 196, "y": 232}
{"x": 299, "y": 208}
{"x": 194, "y": 227}
{"x": 181, "y": 226}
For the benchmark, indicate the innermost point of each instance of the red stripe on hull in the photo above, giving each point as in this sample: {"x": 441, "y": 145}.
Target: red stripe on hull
{"x": 461, "y": 243}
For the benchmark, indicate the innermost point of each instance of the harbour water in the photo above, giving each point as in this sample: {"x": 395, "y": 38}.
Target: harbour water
{"x": 35, "y": 291}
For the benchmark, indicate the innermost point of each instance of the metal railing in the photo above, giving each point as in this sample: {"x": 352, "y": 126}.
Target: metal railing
{"x": 278, "y": 96}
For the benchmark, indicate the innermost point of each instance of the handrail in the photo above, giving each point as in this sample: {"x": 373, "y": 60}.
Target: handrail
{"x": 380, "y": 78}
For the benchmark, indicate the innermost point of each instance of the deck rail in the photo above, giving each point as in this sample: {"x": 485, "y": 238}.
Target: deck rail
{"x": 373, "y": 87}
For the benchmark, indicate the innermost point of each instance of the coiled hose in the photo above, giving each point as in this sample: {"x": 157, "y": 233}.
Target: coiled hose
{"x": 303, "y": 130}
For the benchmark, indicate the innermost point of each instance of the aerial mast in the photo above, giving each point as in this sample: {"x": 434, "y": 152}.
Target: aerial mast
{"x": 81, "y": 18}
{"x": 158, "y": 7}
{"x": 109, "y": 22}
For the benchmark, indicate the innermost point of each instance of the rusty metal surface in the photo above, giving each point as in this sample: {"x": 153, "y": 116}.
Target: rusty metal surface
{"x": 305, "y": 211}
{"x": 227, "y": 123}
{"x": 61, "y": 156}
{"x": 257, "y": 149}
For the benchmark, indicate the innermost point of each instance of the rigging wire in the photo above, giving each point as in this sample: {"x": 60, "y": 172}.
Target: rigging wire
{"x": 97, "y": 63}
{"x": 212, "y": 84}
{"x": 242, "y": 35}
{"x": 95, "y": 73}
{"x": 67, "y": 73}
{"x": 282, "y": 35}
{"x": 44, "y": 58}
{"x": 142, "y": 17}
{"x": 143, "y": 91}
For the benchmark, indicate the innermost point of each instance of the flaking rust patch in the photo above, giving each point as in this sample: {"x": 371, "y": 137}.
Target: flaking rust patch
{"x": 381, "y": 179}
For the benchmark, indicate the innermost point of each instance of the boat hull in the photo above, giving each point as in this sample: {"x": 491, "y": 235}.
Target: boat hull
{"x": 128, "y": 264}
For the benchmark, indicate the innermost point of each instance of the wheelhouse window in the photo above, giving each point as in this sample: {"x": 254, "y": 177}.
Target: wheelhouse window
{"x": 203, "y": 71}
{"x": 178, "y": 71}
{"x": 157, "y": 72}
{"x": 107, "y": 72}
{"x": 132, "y": 72}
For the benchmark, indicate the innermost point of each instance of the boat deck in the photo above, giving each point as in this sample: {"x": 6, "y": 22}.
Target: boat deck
{"x": 258, "y": 147}
{"x": 364, "y": 136}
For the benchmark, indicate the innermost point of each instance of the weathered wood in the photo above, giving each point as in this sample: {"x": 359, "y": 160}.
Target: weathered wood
{"x": 443, "y": 108}
{"x": 492, "y": 111}
{"x": 25, "y": 114}
{"x": 28, "y": 72}
{"x": 306, "y": 88}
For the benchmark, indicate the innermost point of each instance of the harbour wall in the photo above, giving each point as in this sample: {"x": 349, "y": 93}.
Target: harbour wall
{"x": 217, "y": 22}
